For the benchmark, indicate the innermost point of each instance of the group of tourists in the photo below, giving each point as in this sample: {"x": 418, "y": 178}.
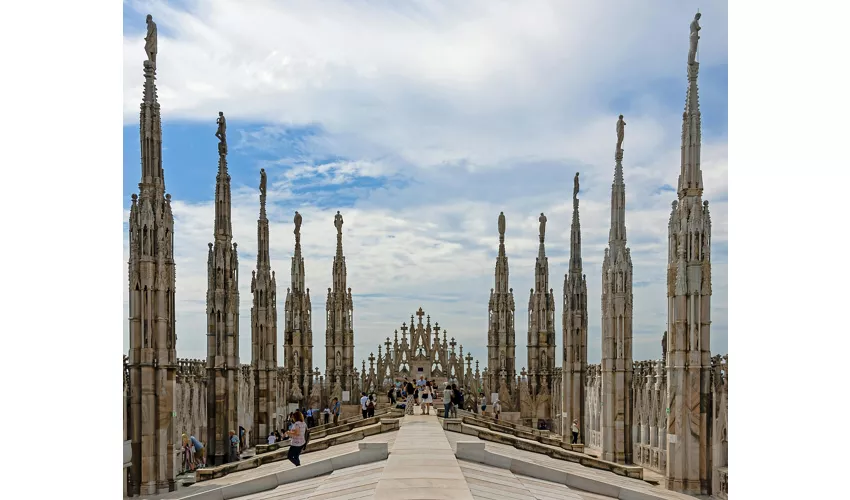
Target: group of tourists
{"x": 367, "y": 405}
{"x": 423, "y": 393}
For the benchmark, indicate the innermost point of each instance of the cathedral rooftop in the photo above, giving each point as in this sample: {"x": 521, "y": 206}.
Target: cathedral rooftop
{"x": 423, "y": 461}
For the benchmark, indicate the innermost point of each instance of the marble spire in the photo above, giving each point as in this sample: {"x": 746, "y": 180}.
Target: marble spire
{"x": 339, "y": 336}
{"x": 541, "y": 325}
{"x": 501, "y": 332}
{"x": 689, "y": 310}
{"x": 298, "y": 336}
{"x": 617, "y": 370}
{"x": 222, "y": 317}
{"x": 574, "y": 365}
{"x": 152, "y": 359}
{"x": 264, "y": 328}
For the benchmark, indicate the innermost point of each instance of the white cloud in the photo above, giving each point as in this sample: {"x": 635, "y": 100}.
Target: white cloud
{"x": 483, "y": 107}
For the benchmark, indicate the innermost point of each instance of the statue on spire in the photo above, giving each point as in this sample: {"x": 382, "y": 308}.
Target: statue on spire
{"x": 575, "y": 186}
{"x": 150, "y": 40}
{"x": 221, "y": 132}
{"x": 542, "y": 220}
{"x": 297, "y": 223}
{"x": 621, "y": 132}
{"x": 501, "y": 224}
{"x": 695, "y": 27}
{"x": 263, "y": 182}
{"x": 338, "y": 223}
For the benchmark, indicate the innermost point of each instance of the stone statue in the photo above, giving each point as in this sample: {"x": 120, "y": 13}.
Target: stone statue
{"x": 575, "y": 186}
{"x": 695, "y": 27}
{"x": 338, "y": 361}
{"x": 221, "y": 133}
{"x": 664, "y": 346}
{"x": 621, "y": 132}
{"x": 297, "y": 222}
{"x": 150, "y": 40}
{"x": 263, "y": 182}
{"x": 501, "y": 223}
{"x": 338, "y": 222}
{"x": 542, "y": 220}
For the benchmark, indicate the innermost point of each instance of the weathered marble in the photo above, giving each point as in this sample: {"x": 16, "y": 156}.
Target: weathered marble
{"x": 298, "y": 331}
{"x": 501, "y": 329}
{"x": 339, "y": 334}
{"x": 536, "y": 402}
{"x": 152, "y": 359}
{"x": 617, "y": 303}
{"x": 689, "y": 314}
{"x": 223, "y": 324}
{"x": 264, "y": 331}
{"x": 574, "y": 365}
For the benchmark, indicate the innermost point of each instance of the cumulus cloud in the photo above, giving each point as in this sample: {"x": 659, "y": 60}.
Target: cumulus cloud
{"x": 460, "y": 110}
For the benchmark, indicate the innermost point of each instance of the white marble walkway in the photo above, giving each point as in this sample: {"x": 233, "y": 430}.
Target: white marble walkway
{"x": 422, "y": 464}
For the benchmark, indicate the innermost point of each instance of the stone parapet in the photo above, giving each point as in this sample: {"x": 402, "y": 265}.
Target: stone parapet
{"x": 553, "y": 450}
{"x": 476, "y": 452}
{"x": 315, "y": 444}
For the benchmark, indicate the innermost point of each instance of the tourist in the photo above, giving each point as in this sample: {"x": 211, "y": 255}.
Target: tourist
{"x": 327, "y": 415}
{"x": 297, "y": 434}
{"x": 423, "y": 400}
{"x": 420, "y": 384}
{"x": 409, "y": 402}
{"x": 363, "y": 401}
{"x": 431, "y": 386}
{"x": 497, "y": 408}
{"x": 310, "y": 417}
{"x": 370, "y": 406}
{"x": 391, "y": 396}
{"x": 574, "y": 430}
{"x": 447, "y": 401}
{"x": 277, "y": 437}
{"x": 234, "y": 447}
{"x": 454, "y": 400}
{"x": 336, "y": 408}
{"x": 460, "y": 399}
{"x": 483, "y": 403}
{"x": 200, "y": 452}
{"x": 188, "y": 458}
{"x": 272, "y": 438}
{"x": 241, "y": 439}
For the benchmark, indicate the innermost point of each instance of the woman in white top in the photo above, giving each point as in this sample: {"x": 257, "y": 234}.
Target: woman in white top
{"x": 423, "y": 399}
{"x": 574, "y": 430}
{"x": 298, "y": 434}
{"x": 271, "y": 438}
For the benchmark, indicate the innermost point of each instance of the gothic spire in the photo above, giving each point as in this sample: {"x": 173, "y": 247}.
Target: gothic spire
{"x": 617, "y": 233}
{"x": 150, "y": 131}
{"x": 339, "y": 272}
{"x": 502, "y": 259}
{"x": 690, "y": 175}
{"x": 575, "y": 233}
{"x": 223, "y": 224}
{"x": 263, "y": 261}
{"x": 297, "y": 259}
{"x": 541, "y": 272}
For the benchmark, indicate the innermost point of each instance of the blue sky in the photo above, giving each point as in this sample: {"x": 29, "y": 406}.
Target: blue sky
{"x": 421, "y": 127}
